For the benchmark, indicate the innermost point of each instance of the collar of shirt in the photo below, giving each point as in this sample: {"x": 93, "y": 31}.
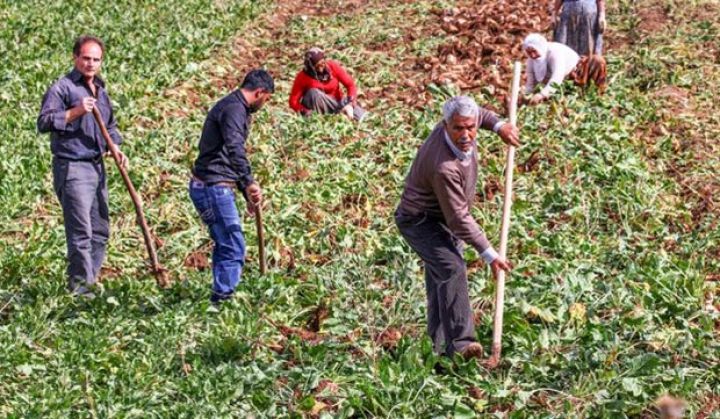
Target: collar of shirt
{"x": 241, "y": 98}
{"x": 461, "y": 155}
{"x": 75, "y": 76}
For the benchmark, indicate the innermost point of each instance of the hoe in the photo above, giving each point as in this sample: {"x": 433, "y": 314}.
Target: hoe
{"x": 160, "y": 273}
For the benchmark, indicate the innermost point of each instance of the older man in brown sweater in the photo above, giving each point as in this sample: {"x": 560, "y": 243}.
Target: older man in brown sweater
{"x": 434, "y": 218}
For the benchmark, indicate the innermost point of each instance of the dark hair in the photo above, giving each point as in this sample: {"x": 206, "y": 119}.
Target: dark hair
{"x": 258, "y": 79}
{"x": 84, "y": 39}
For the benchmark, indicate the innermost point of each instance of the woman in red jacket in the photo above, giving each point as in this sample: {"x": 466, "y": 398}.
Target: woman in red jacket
{"x": 317, "y": 88}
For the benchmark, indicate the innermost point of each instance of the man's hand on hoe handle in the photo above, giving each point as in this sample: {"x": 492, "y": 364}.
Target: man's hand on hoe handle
{"x": 124, "y": 161}
{"x": 500, "y": 264}
{"x": 254, "y": 195}
{"x": 510, "y": 134}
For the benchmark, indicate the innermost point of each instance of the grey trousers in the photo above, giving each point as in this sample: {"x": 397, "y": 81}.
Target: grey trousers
{"x": 317, "y": 101}
{"x": 81, "y": 188}
{"x": 449, "y": 316}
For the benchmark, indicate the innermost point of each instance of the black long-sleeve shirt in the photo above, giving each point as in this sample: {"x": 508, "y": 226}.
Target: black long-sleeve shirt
{"x": 80, "y": 139}
{"x": 222, "y": 155}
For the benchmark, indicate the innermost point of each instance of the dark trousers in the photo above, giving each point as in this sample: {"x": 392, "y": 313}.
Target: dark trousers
{"x": 579, "y": 28}
{"x": 216, "y": 206}
{"x": 81, "y": 187}
{"x": 450, "y": 318}
{"x": 317, "y": 101}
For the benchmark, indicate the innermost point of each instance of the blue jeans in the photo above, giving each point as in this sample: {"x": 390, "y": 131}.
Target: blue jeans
{"x": 216, "y": 206}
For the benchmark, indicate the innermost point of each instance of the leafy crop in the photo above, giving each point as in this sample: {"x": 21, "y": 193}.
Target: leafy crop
{"x": 614, "y": 237}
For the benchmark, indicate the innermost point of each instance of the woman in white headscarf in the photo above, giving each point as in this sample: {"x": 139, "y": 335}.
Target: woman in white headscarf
{"x": 548, "y": 63}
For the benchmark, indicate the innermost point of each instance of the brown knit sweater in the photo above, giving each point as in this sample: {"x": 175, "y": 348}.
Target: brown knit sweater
{"x": 442, "y": 186}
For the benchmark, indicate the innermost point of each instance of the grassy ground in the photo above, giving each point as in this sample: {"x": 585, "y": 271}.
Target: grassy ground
{"x": 615, "y": 231}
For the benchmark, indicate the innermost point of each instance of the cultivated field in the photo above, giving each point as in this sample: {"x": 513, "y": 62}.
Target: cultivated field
{"x": 616, "y": 236}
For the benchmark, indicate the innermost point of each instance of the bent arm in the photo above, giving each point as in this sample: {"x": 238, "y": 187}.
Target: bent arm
{"x": 345, "y": 79}
{"x": 296, "y": 94}
{"x": 558, "y": 71}
{"x": 234, "y": 133}
{"x": 454, "y": 206}
{"x": 112, "y": 124}
{"x": 53, "y": 115}
{"x": 488, "y": 120}
{"x": 530, "y": 81}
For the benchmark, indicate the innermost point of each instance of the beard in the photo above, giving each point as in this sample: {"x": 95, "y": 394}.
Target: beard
{"x": 254, "y": 107}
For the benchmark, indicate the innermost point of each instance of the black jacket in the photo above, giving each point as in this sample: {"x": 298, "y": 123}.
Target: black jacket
{"x": 222, "y": 143}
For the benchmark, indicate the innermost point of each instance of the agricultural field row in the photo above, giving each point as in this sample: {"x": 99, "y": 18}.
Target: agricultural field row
{"x": 612, "y": 304}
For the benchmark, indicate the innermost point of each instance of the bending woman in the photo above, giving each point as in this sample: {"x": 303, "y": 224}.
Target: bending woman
{"x": 317, "y": 88}
{"x": 548, "y": 63}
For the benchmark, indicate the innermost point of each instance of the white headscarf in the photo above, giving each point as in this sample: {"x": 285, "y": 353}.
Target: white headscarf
{"x": 539, "y": 66}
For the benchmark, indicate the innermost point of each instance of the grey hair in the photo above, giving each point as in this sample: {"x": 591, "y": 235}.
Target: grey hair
{"x": 464, "y": 106}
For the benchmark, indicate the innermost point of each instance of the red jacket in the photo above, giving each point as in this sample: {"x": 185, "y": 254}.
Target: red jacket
{"x": 338, "y": 75}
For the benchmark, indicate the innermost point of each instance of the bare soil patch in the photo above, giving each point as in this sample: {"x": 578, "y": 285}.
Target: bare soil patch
{"x": 482, "y": 40}
{"x": 247, "y": 53}
{"x": 198, "y": 258}
{"x": 653, "y": 19}
{"x": 691, "y": 148}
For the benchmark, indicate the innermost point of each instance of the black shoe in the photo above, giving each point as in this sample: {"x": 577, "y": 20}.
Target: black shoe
{"x": 217, "y": 299}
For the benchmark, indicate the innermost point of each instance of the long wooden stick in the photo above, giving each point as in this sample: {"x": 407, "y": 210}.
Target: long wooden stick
{"x": 510, "y": 166}
{"x": 261, "y": 238}
{"x": 161, "y": 276}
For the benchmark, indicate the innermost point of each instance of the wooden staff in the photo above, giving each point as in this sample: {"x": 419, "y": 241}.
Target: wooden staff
{"x": 261, "y": 238}
{"x": 161, "y": 275}
{"x": 500, "y": 294}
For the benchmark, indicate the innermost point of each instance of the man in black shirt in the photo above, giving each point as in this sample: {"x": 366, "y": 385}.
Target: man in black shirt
{"x": 78, "y": 146}
{"x": 221, "y": 167}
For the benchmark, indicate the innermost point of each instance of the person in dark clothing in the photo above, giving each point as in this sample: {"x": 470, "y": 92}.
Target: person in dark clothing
{"x": 222, "y": 167}
{"x": 434, "y": 218}
{"x": 78, "y": 146}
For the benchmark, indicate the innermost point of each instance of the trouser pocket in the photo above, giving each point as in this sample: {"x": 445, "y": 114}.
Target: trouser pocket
{"x": 202, "y": 201}
{"x": 60, "y": 170}
{"x": 404, "y": 220}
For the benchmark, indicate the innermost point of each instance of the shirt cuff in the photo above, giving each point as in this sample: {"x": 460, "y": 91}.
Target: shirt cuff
{"x": 497, "y": 126}
{"x": 116, "y": 137}
{"x": 58, "y": 121}
{"x": 244, "y": 182}
{"x": 489, "y": 255}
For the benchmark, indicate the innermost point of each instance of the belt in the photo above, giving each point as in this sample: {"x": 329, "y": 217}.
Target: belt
{"x": 95, "y": 160}
{"x": 225, "y": 183}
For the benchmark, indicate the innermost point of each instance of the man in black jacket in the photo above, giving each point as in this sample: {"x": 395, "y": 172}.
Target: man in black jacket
{"x": 221, "y": 167}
